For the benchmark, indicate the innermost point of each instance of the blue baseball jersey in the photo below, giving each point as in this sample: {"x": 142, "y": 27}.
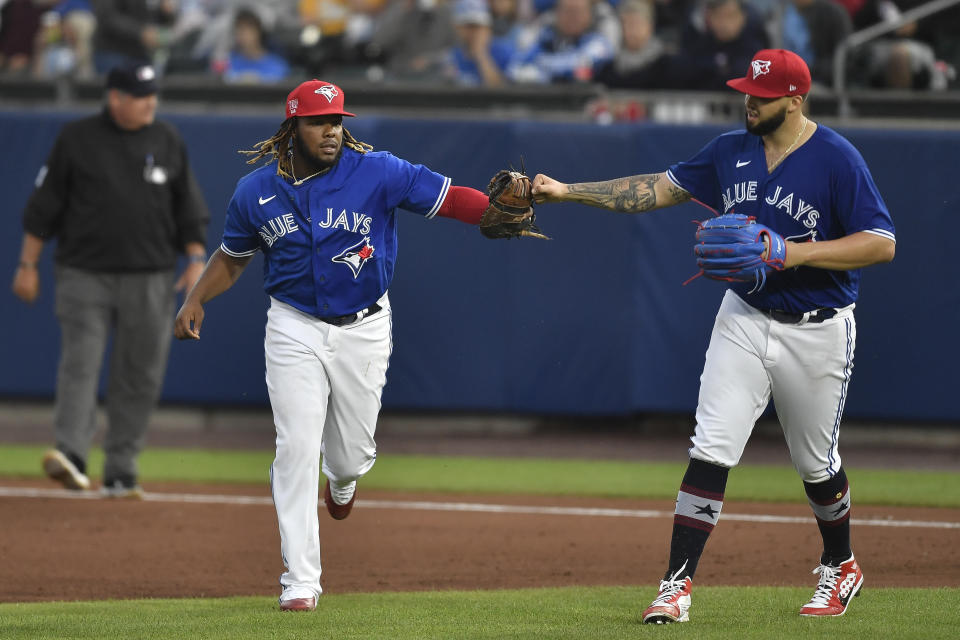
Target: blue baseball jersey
{"x": 329, "y": 244}
{"x": 821, "y": 191}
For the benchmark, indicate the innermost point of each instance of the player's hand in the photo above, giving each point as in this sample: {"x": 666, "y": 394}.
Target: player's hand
{"x": 26, "y": 284}
{"x": 546, "y": 189}
{"x": 189, "y": 277}
{"x": 189, "y": 319}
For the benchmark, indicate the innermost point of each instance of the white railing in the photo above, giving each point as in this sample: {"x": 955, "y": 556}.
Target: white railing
{"x": 870, "y": 33}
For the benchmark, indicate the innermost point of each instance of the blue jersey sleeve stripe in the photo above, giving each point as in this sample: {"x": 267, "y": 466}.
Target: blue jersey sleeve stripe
{"x": 672, "y": 178}
{"x": 883, "y": 233}
{"x": 235, "y": 254}
{"x": 440, "y": 198}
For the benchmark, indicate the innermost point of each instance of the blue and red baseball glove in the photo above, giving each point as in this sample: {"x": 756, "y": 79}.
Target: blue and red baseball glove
{"x": 733, "y": 247}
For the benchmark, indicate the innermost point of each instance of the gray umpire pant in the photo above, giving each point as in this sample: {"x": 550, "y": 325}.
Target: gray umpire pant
{"x": 137, "y": 308}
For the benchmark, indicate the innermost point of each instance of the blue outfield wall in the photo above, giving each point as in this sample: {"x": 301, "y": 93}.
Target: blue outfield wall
{"x": 594, "y": 321}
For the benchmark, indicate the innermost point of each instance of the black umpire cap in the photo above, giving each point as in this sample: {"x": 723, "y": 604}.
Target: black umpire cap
{"x": 136, "y": 78}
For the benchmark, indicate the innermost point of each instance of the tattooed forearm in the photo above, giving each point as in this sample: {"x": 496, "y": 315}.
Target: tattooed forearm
{"x": 634, "y": 194}
{"x": 679, "y": 195}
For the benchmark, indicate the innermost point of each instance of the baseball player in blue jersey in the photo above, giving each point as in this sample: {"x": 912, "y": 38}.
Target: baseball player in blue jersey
{"x": 787, "y": 334}
{"x": 325, "y": 220}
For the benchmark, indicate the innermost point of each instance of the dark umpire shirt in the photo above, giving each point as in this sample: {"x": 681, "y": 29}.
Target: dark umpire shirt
{"x": 117, "y": 200}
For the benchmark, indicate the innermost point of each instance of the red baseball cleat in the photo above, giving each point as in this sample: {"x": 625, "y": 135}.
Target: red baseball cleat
{"x": 337, "y": 511}
{"x": 672, "y": 604}
{"x": 836, "y": 587}
{"x": 298, "y": 604}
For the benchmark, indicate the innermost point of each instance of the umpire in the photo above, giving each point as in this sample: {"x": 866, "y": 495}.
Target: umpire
{"x": 118, "y": 194}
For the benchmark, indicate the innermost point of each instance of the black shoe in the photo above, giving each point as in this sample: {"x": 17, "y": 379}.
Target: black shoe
{"x": 121, "y": 487}
{"x": 63, "y": 468}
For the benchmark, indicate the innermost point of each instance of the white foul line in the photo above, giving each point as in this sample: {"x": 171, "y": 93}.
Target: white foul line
{"x": 419, "y": 505}
{"x": 631, "y": 513}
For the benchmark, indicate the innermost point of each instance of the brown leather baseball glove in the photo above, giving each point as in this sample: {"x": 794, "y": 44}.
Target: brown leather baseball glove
{"x": 510, "y": 212}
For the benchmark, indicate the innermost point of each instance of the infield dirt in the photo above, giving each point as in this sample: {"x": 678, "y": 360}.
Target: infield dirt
{"x": 68, "y": 549}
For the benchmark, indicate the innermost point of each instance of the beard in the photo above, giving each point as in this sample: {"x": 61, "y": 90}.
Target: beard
{"x": 768, "y": 126}
{"x": 313, "y": 159}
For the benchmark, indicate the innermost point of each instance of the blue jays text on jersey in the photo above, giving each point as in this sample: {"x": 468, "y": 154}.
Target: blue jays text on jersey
{"x": 330, "y": 244}
{"x": 821, "y": 191}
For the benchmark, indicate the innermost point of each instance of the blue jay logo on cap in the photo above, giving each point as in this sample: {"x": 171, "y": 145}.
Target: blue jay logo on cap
{"x": 328, "y": 91}
{"x": 760, "y": 67}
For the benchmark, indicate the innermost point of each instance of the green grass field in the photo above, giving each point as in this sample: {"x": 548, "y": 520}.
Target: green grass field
{"x": 718, "y": 613}
{"x": 604, "y": 612}
{"x": 561, "y": 477}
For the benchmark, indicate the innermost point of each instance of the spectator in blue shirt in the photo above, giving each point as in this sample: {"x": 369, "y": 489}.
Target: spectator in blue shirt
{"x": 568, "y": 49}
{"x": 478, "y": 58}
{"x": 510, "y": 19}
{"x": 250, "y": 60}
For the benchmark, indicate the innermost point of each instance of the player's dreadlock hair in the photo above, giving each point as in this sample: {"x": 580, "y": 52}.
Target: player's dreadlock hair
{"x": 277, "y": 147}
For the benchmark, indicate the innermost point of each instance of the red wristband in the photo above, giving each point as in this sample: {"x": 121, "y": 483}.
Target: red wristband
{"x": 464, "y": 204}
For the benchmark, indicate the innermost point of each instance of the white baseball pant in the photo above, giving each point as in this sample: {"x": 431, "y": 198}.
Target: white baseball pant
{"x": 325, "y": 384}
{"x": 805, "y": 368}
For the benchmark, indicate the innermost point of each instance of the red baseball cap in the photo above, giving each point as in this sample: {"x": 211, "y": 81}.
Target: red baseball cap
{"x": 774, "y": 73}
{"x": 316, "y": 98}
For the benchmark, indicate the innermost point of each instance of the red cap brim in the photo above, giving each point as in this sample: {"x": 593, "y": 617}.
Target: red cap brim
{"x": 325, "y": 113}
{"x": 745, "y": 85}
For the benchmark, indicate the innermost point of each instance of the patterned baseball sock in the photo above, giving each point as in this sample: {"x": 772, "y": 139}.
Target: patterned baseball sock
{"x": 698, "y": 507}
{"x": 830, "y": 501}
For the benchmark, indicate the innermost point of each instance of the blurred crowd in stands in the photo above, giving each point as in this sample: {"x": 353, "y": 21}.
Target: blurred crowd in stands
{"x": 632, "y": 44}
